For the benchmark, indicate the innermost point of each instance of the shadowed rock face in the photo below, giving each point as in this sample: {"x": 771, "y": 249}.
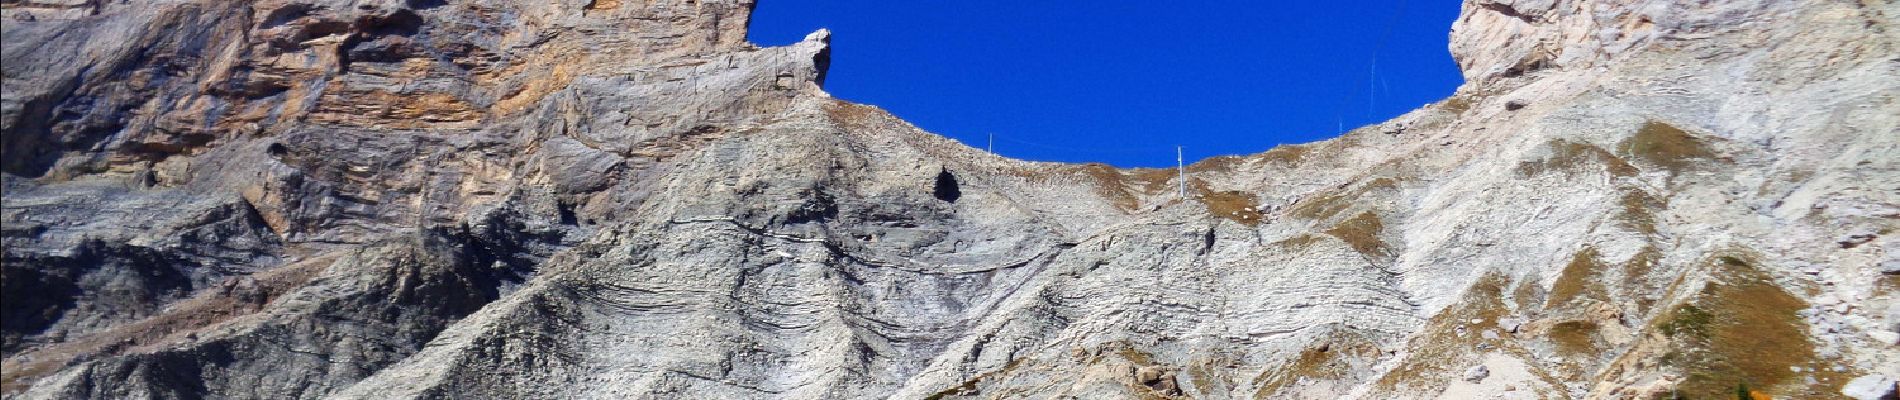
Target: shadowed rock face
{"x": 613, "y": 199}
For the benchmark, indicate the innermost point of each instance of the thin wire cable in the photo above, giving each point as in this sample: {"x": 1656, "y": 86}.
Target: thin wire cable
{"x": 1372, "y": 78}
{"x": 1384, "y": 35}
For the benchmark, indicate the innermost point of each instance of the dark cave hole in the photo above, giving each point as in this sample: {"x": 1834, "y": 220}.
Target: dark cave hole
{"x": 947, "y": 188}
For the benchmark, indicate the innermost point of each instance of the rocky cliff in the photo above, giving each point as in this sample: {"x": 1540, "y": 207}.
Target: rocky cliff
{"x": 617, "y": 199}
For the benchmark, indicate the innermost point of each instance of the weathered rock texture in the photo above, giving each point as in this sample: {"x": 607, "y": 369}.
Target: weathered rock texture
{"x": 618, "y": 199}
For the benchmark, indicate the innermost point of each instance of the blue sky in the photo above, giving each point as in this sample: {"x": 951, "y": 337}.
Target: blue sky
{"x": 1123, "y": 82}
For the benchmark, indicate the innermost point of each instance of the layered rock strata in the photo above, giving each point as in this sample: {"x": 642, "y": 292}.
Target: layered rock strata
{"x": 612, "y": 199}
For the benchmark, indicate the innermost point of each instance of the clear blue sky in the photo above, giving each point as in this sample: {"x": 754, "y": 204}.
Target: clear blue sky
{"x": 1122, "y": 82}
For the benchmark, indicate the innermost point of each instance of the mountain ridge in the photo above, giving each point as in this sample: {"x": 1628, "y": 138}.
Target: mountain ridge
{"x": 351, "y": 199}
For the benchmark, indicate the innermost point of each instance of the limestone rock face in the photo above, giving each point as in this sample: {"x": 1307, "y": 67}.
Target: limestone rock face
{"x": 615, "y": 199}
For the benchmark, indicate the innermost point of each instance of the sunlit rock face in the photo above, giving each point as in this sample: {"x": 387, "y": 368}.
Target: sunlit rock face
{"x": 619, "y": 199}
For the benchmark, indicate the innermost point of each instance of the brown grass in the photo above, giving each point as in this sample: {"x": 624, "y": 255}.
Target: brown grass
{"x": 1199, "y": 374}
{"x": 1327, "y": 204}
{"x": 1110, "y": 184}
{"x": 1123, "y": 187}
{"x": 1742, "y": 328}
{"x": 1285, "y": 155}
{"x": 1322, "y": 206}
{"x": 1232, "y": 205}
{"x": 1528, "y": 293}
{"x": 1636, "y": 213}
{"x": 1128, "y": 352}
{"x": 1330, "y": 358}
{"x": 852, "y": 116}
{"x": 1297, "y": 243}
{"x": 969, "y": 386}
{"x": 1638, "y": 277}
{"x": 1216, "y": 164}
{"x": 1151, "y": 180}
{"x": 1666, "y": 146}
{"x": 1575, "y": 337}
{"x": 1581, "y": 280}
{"x": 1362, "y": 233}
{"x": 1439, "y": 348}
{"x": 1456, "y": 104}
{"x": 1574, "y": 157}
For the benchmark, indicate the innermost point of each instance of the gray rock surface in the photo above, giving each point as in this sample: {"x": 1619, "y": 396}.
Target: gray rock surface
{"x": 611, "y": 199}
{"x": 1477, "y": 374}
{"x": 1871, "y": 387}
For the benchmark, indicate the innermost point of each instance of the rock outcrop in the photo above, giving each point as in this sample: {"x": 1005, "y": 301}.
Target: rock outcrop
{"x": 609, "y": 199}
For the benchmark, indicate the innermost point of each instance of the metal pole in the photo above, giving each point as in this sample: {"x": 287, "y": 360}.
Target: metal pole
{"x": 1181, "y": 169}
{"x": 992, "y": 148}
